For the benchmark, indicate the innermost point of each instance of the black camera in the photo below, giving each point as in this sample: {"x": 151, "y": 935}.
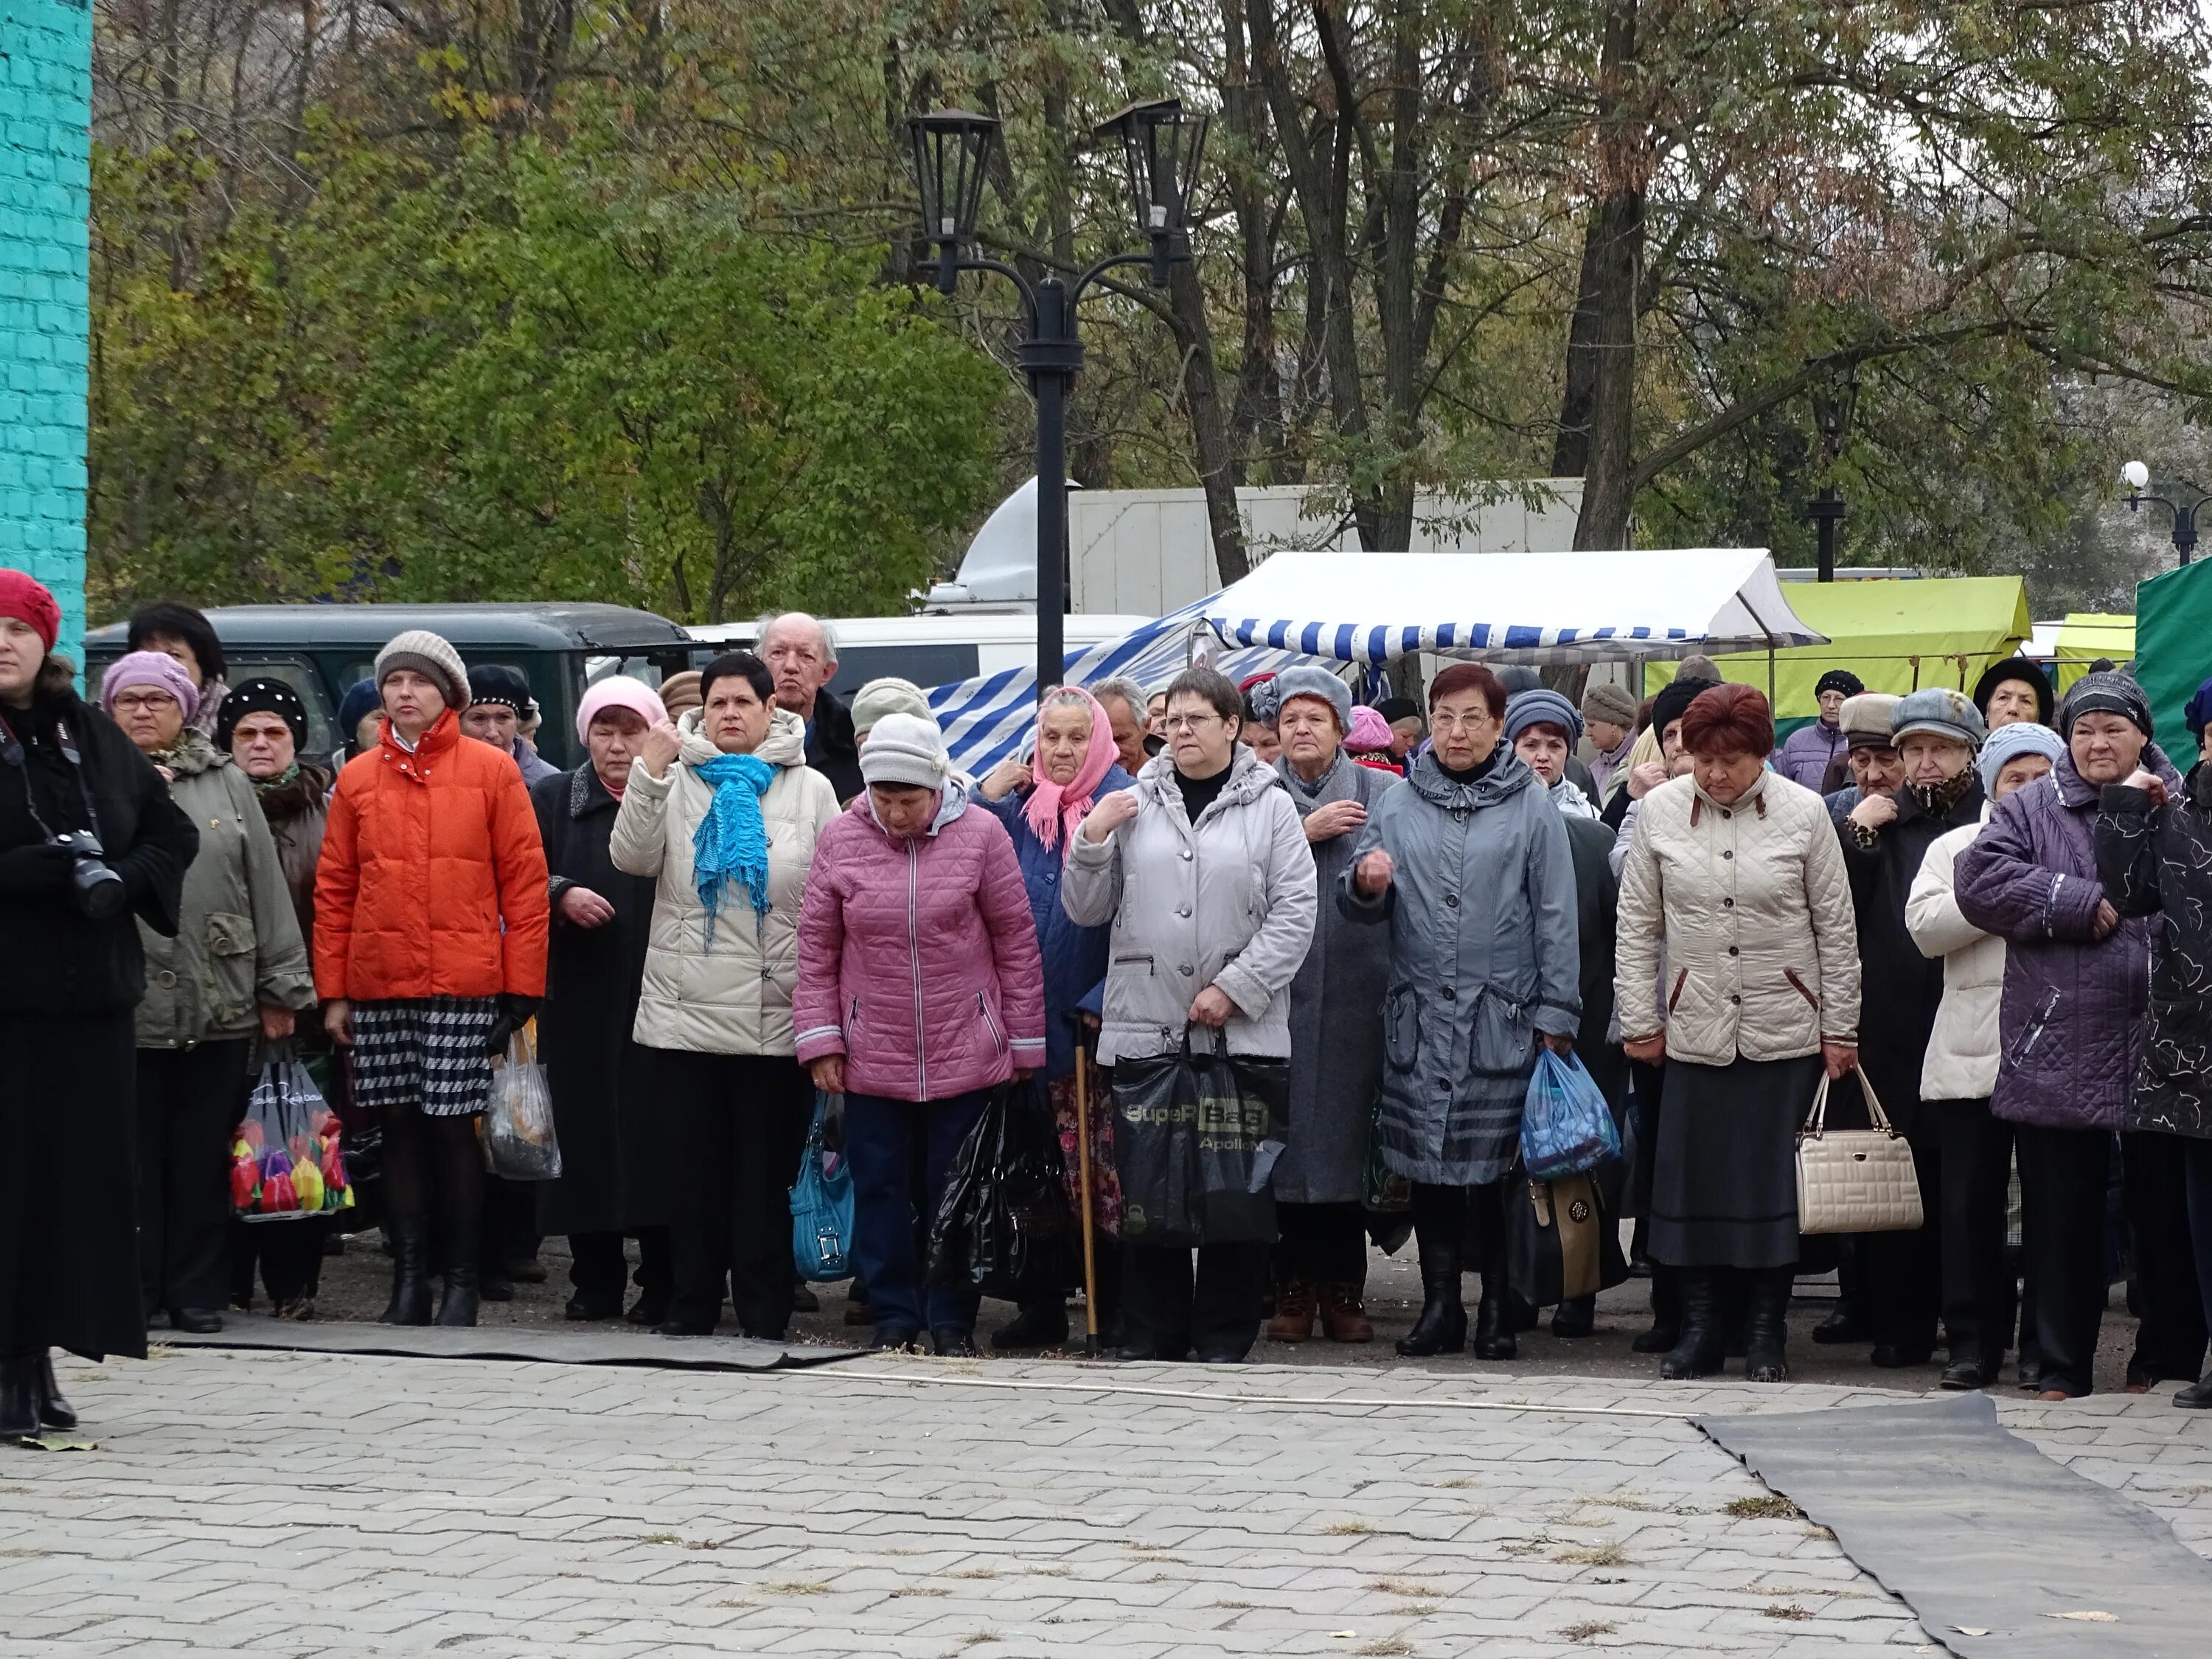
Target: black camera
{"x": 97, "y": 889}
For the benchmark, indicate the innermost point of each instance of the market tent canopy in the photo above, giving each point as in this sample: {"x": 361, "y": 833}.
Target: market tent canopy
{"x": 1373, "y": 608}
{"x": 2085, "y": 636}
{"x": 1896, "y": 636}
{"x": 2173, "y": 649}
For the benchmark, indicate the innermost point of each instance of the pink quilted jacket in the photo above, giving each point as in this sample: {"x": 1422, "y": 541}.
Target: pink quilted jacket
{"x": 917, "y": 958}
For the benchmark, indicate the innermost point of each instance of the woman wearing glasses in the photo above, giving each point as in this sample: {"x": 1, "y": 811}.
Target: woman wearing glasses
{"x": 1470, "y": 867}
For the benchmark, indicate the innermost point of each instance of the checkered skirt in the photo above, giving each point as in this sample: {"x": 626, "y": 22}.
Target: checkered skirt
{"x": 426, "y": 1052}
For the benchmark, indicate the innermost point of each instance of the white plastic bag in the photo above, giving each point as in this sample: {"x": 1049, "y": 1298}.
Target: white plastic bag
{"x": 518, "y": 1128}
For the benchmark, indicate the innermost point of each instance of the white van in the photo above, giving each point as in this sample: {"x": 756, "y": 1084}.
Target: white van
{"x": 930, "y": 651}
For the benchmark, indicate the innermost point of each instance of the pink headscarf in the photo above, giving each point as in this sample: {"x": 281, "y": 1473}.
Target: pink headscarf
{"x": 1055, "y": 809}
{"x": 1369, "y": 732}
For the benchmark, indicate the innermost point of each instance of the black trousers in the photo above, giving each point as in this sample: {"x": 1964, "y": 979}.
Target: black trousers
{"x": 290, "y": 1254}
{"x": 2063, "y": 1177}
{"x": 1169, "y": 1309}
{"x": 1904, "y": 1270}
{"x": 189, "y": 1102}
{"x": 2170, "y": 1338}
{"x": 1322, "y": 1244}
{"x": 598, "y": 1267}
{"x": 741, "y": 1121}
{"x": 1979, "y": 1288}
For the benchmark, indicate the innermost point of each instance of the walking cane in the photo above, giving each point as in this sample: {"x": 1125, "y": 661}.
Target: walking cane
{"x": 1083, "y": 1181}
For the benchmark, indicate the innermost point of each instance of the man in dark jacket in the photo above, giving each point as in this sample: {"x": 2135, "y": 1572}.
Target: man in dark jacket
{"x": 801, "y": 652}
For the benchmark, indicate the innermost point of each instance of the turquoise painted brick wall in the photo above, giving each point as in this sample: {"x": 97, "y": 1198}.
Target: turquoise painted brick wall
{"x": 46, "y": 113}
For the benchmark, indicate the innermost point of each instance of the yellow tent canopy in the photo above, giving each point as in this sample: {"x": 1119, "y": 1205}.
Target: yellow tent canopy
{"x": 2083, "y": 637}
{"x": 1896, "y": 636}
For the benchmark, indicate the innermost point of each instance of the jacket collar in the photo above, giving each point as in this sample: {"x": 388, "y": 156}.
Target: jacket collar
{"x": 192, "y": 754}
{"x": 1336, "y": 783}
{"x": 1507, "y": 778}
{"x": 438, "y": 740}
{"x": 586, "y": 794}
{"x": 1249, "y": 778}
{"x": 785, "y": 746}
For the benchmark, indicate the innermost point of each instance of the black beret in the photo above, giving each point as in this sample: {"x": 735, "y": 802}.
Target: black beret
{"x": 264, "y": 696}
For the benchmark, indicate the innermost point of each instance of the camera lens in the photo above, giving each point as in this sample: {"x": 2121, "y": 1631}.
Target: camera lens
{"x": 99, "y": 889}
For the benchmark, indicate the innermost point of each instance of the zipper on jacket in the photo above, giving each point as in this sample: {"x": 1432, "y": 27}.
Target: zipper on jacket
{"x": 984, "y": 1008}
{"x": 1680, "y": 980}
{"x": 1790, "y": 974}
{"x": 914, "y": 954}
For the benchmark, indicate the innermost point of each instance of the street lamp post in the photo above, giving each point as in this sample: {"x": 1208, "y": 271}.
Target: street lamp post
{"x": 2136, "y": 477}
{"x": 1160, "y": 153}
{"x": 1833, "y": 400}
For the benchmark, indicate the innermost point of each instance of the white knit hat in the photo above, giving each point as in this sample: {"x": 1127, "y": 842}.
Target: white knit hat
{"x": 905, "y": 749}
{"x": 428, "y": 655}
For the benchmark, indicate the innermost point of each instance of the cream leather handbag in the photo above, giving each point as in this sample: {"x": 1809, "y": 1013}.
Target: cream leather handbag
{"x": 1855, "y": 1181}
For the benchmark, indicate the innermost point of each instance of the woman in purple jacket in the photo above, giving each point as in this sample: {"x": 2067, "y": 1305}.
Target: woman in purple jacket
{"x": 1809, "y": 750}
{"x": 919, "y": 992}
{"x": 2076, "y": 987}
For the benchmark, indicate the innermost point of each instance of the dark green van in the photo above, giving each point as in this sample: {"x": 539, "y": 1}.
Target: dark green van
{"x": 322, "y": 650}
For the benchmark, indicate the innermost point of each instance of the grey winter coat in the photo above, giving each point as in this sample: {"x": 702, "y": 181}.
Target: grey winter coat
{"x": 238, "y": 943}
{"x": 1483, "y": 956}
{"x": 1336, "y": 1012}
{"x": 2158, "y": 859}
{"x": 2071, "y": 1029}
{"x": 1226, "y": 901}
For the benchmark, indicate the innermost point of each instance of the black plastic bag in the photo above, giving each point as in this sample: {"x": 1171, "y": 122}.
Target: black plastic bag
{"x": 1002, "y": 1201}
{"x": 1195, "y": 1139}
{"x": 1561, "y": 1241}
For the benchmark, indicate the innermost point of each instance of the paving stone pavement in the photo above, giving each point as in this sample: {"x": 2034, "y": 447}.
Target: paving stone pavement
{"x": 295, "y": 1503}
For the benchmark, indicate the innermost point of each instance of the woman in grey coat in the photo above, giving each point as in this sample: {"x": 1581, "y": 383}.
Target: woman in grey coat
{"x": 1336, "y": 1029}
{"x": 1469, "y": 865}
{"x": 1202, "y": 868}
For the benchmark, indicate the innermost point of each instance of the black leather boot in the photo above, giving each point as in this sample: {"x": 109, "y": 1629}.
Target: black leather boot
{"x": 18, "y": 1397}
{"x": 1577, "y": 1316}
{"x": 1442, "y": 1327}
{"x": 1666, "y": 1313}
{"x": 54, "y": 1411}
{"x": 1767, "y": 1325}
{"x": 1699, "y": 1350}
{"x": 411, "y": 1282}
{"x": 1493, "y": 1323}
{"x": 461, "y": 1298}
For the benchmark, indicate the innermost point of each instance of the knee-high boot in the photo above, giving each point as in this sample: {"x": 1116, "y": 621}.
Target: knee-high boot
{"x": 1767, "y": 1324}
{"x": 1699, "y": 1351}
{"x": 411, "y": 1281}
{"x": 1666, "y": 1313}
{"x": 1442, "y": 1327}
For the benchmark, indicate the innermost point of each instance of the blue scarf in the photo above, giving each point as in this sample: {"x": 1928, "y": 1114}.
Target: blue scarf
{"x": 732, "y": 842}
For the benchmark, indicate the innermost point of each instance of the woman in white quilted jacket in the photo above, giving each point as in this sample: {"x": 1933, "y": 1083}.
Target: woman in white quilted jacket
{"x": 722, "y": 811}
{"x": 1740, "y": 872}
{"x": 1961, "y": 1073}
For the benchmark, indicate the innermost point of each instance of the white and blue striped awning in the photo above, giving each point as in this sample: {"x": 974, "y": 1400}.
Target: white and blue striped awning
{"x": 1537, "y": 608}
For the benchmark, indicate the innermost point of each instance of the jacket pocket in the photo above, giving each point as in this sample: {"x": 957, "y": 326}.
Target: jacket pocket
{"x": 2021, "y": 1050}
{"x": 229, "y": 970}
{"x": 1402, "y": 1027}
{"x": 1799, "y": 986}
{"x": 998, "y": 1037}
{"x": 1674, "y": 996}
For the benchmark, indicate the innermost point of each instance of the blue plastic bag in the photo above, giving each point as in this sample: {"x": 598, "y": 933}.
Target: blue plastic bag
{"x": 822, "y": 1207}
{"x": 1566, "y": 1127}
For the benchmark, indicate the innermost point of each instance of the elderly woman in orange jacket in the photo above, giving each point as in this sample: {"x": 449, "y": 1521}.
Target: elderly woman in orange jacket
{"x": 430, "y": 933}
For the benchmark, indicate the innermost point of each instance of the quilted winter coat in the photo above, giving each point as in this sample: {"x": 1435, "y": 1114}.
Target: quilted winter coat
{"x": 1753, "y": 906}
{"x": 1962, "y": 1054}
{"x": 2071, "y": 1024}
{"x": 917, "y": 958}
{"x": 2160, "y": 860}
{"x": 1228, "y": 901}
{"x": 734, "y": 998}
{"x": 432, "y": 877}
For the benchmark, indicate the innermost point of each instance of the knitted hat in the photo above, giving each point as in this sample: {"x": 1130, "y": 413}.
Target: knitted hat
{"x": 1516, "y": 677}
{"x": 1865, "y": 720}
{"x": 2109, "y": 693}
{"x": 2198, "y": 714}
{"x": 496, "y": 683}
{"x": 264, "y": 696}
{"x": 1611, "y": 703}
{"x": 2009, "y": 743}
{"x": 1316, "y": 682}
{"x": 429, "y": 655}
{"x": 1369, "y": 734}
{"x": 2027, "y": 673}
{"x": 890, "y": 696}
{"x": 156, "y": 668}
{"x": 1699, "y": 667}
{"x": 1674, "y": 699}
{"x": 617, "y": 691}
{"x": 359, "y": 702}
{"x": 905, "y": 749}
{"x": 1942, "y": 711}
{"x": 31, "y": 603}
{"x": 1541, "y": 707}
{"x": 681, "y": 691}
{"x": 1839, "y": 680}
{"x": 1394, "y": 709}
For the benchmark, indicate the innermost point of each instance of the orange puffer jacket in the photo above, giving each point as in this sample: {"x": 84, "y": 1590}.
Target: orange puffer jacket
{"x": 425, "y": 857}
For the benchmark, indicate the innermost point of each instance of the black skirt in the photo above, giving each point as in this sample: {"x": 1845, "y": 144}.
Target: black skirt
{"x": 1724, "y": 1173}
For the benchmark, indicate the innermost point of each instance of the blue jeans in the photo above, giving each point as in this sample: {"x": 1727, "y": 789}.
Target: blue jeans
{"x": 887, "y": 1143}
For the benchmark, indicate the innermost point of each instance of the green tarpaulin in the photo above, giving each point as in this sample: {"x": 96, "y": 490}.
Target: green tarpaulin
{"x": 2173, "y": 649}
{"x": 1895, "y": 636}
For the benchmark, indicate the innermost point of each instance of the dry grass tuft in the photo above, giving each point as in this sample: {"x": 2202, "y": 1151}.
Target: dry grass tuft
{"x": 1790, "y": 1610}
{"x": 1349, "y": 1529}
{"x": 1386, "y": 1646}
{"x": 1588, "y": 1631}
{"x": 797, "y": 1587}
{"x": 1768, "y": 1506}
{"x": 1604, "y": 1555}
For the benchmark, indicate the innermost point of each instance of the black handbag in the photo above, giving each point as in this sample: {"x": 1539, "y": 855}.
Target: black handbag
{"x": 1195, "y": 1140}
{"x": 1561, "y": 1242}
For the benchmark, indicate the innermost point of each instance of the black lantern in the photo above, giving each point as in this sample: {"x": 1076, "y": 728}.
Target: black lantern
{"x": 951, "y": 152}
{"x": 1160, "y": 153}
{"x": 1833, "y": 399}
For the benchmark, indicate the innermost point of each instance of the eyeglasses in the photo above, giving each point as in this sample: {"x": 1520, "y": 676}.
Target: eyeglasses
{"x": 143, "y": 701}
{"x": 1188, "y": 722}
{"x": 1469, "y": 722}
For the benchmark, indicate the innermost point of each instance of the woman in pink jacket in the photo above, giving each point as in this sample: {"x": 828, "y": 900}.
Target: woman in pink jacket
{"x": 919, "y": 991}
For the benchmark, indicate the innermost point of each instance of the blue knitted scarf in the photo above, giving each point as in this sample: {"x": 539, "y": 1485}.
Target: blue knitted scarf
{"x": 732, "y": 843}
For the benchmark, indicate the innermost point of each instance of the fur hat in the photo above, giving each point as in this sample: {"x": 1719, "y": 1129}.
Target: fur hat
{"x": 905, "y": 749}
{"x": 1316, "y": 682}
{"x": 1940, "y": 711}
{"x": 1603, "y": 701}
{"x": 1865, "y": 720}
{"x": 429, "y": 655}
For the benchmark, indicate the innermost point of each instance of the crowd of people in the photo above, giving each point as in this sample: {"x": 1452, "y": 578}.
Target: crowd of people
{"x": 750, "y": 901}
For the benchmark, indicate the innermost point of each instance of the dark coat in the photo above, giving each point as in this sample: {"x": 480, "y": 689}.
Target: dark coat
{"x": 831, "y": 749}
{"x": 2071, "y": 1026}
{"x": 296, "y": 811}
{"x": 2159, "y": 860}
{"x": 52, "y": 959}
{"x": 606, "y": 1113}
{"x": 1074, "y": 956}
{"x": 1598, "y": 910}
{"x": 1899, "y": 988}
{"x": 1336, "y": 1013}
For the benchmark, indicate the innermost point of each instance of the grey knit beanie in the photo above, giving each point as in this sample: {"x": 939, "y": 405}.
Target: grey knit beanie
{"x": 1315, "y": 682}
{"x": 905, "y": 749}
{"x": 428, "y": 655}
{"x": 889, "y": 696}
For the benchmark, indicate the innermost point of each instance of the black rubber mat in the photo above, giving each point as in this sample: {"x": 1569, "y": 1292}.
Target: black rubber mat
{"x": 511, "y": 1342}
{"x": 1996, "y": 1548}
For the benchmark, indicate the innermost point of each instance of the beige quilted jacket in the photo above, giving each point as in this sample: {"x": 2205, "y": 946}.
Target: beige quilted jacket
{"x": 1962, "y": 1054}
{"x": 1753, "y": 906}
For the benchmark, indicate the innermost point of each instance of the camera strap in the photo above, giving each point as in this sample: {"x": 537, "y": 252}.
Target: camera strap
{"x": 11, "y": 752}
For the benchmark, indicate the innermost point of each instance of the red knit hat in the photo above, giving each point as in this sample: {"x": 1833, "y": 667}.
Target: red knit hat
{"x": 29, "y": 602}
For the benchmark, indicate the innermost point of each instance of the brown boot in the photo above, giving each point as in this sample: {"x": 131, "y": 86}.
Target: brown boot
{"x": 1295, "y": 1308}
{"x": 1342, "y": 1316}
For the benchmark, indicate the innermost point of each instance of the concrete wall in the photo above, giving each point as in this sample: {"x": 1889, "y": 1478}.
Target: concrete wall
{"x": 45, "y": 110}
